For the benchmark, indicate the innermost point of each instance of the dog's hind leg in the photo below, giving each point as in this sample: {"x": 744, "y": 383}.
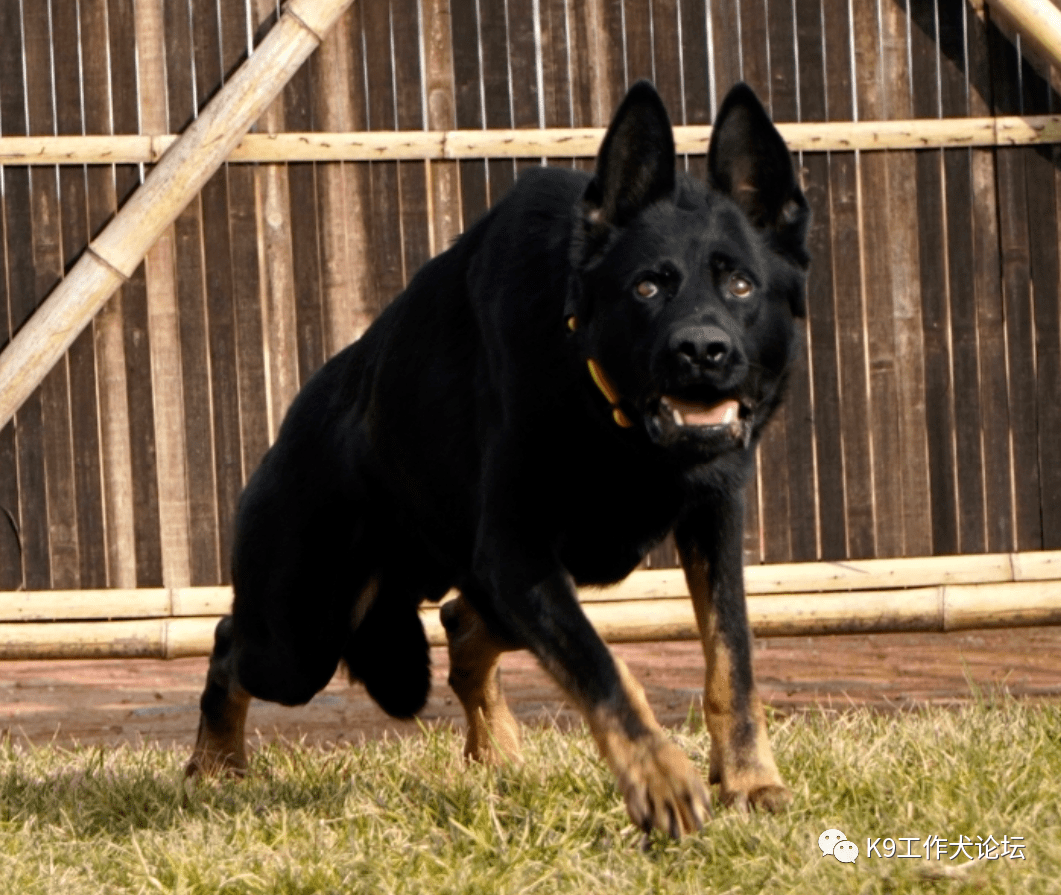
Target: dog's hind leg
{"x": 285, "y": 655}
{"x": 219, "y": 744}
{"x": 475, "y": 676}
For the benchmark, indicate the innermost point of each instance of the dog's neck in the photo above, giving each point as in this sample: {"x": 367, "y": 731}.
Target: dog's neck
{"x": 604, "y": 383}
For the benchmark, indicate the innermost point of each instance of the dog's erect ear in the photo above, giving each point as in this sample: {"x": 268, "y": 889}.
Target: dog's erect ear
{"x": 749, "y": 161}
{"x": 635, "y": 165}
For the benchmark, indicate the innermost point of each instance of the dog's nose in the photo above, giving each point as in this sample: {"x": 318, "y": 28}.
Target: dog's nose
{"x": 702, "y": 346}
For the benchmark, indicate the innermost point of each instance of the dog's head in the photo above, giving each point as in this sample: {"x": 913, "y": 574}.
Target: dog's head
{"x": 686, "y": 294}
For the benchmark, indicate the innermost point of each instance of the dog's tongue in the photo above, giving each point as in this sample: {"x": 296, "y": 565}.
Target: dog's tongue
{"x": 695, "y": 414}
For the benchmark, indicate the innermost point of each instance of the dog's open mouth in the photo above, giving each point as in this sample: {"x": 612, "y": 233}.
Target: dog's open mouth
{"x": 692, "y": 413}
{"x": 729, "y": 420}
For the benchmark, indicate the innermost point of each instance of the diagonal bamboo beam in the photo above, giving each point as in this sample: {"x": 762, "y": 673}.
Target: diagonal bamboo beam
{"x": 1038, "y": 19}
{"x": 113, "y": 256}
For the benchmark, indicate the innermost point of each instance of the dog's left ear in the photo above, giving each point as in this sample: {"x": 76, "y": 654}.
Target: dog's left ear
{"x": 635, "y": 165}
{"x": 749, "y": 161}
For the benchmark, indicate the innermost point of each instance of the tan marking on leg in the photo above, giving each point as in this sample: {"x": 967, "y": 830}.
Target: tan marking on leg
{"x": 364, "y": 602}
{"x": 475, "y": 676}
{"x": 660, "y": 786}
{"x": 742, "y": 762}
{"x": 220, "y": 748}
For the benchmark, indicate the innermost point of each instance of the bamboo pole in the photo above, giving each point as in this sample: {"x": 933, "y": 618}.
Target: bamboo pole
{"x": 931, "y": 594}
{"x": 644, "y": 587}
{"x": 181, "y": 172}
{"x": 163, "y": 321}
{"x": 943, "y": 608}
{"x": 165, "y": 638}
{"x": 1039, "y": 19}
{"x": 278, "y": 148}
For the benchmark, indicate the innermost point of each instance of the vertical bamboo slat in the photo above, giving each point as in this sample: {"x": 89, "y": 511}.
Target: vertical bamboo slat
{"x": 385, "y": 241}
{"x": 219, "y": 295}
{"x": 1040, "y": 168}
{"x": 957, "y": 170}
{"x": 496, "y": 90}
{"x": 342, "y": 221}
{"x": 991, "y": 331}
{"x": 84, "y": 404}
{"x": 46, "y": 221}
{"x": 412, "y": 175}
{"x": 275, "y": 263}
{"x": 31, "y": 511}
{"x": 786, "y": 463}
{"x": 915, "y": 520}
{"x": 464, "y": 27}
{"x": 1017, "y": 285}
{"x": 878, "y": 291}
{"x": 10, "y": 542}
{"x": 163, "y": 324}
{"x": 108, "y": 325}
{"x": 246, "y": 302}
{"x": 147, "y": 546}
{"x": 438, "y": 77}
{"x": 847, "y": 291}
{"x": 934, "y": 299}
{"x": 827, "y": 518}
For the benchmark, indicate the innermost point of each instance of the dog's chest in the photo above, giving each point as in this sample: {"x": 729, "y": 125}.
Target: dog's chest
{"x": 612, "y": 520}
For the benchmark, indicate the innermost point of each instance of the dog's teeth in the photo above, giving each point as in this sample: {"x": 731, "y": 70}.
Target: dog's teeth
{"x": 731, "y": 415}
{"x": 678, "y": 418}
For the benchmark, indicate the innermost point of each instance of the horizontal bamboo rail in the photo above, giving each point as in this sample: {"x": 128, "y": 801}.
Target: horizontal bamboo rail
{"x": 180, "y": 174}
{"x": 921, "y": 594}
{"x": 843, "y": 136}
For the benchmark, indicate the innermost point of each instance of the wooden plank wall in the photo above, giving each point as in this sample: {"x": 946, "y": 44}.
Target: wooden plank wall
{"x": 923, "y": 419}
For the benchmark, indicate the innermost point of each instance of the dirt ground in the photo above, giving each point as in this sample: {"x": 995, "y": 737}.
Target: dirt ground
{"x": 108, "y": 702}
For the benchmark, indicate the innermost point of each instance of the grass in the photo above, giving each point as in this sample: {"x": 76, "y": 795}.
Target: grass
{"x": 407, "y": 816}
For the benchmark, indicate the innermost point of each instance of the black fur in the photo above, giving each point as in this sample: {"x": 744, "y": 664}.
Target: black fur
{"x": 461, "y": 442}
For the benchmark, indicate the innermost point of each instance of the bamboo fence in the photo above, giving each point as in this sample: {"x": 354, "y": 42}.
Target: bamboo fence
{"x": 947, "y": 593}
{"x": 179, "y": 176}
{"x": 923, "y": 421}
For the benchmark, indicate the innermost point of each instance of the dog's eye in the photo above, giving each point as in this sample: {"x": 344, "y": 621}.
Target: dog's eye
{"x": 647, "y": 289}
{"x": 739, "y": 285}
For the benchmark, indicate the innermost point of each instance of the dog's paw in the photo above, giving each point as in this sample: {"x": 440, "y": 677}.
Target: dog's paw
{"x": 772, "y": 797}
{"x": 217, "y": 755}
{"x": 210, "y": 763}
{"x": 661, "y": 787}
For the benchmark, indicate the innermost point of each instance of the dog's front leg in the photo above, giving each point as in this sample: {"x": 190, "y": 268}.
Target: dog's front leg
{"x": 742, "y": 762}
{"x": 538, "y": 605}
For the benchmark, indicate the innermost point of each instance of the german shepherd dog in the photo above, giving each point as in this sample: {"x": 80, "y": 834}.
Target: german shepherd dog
{"x": 589, "y": 367}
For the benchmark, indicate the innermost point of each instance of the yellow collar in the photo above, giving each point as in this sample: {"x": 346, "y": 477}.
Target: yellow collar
{"x": 602, "y": 382}
{"x": 608, "y": 390}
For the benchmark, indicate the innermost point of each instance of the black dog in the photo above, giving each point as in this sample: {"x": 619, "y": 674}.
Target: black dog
{"x": 589, "y": 367}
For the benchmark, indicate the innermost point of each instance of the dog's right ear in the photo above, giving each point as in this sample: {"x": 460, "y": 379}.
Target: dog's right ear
{"x": 635, "y": 165}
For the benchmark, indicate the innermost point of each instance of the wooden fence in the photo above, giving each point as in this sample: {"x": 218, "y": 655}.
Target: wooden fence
{"x": 924, "y": 419}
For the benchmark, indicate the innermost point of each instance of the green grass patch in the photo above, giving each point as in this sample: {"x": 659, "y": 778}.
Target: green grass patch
{"x": 407, "y": 815}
